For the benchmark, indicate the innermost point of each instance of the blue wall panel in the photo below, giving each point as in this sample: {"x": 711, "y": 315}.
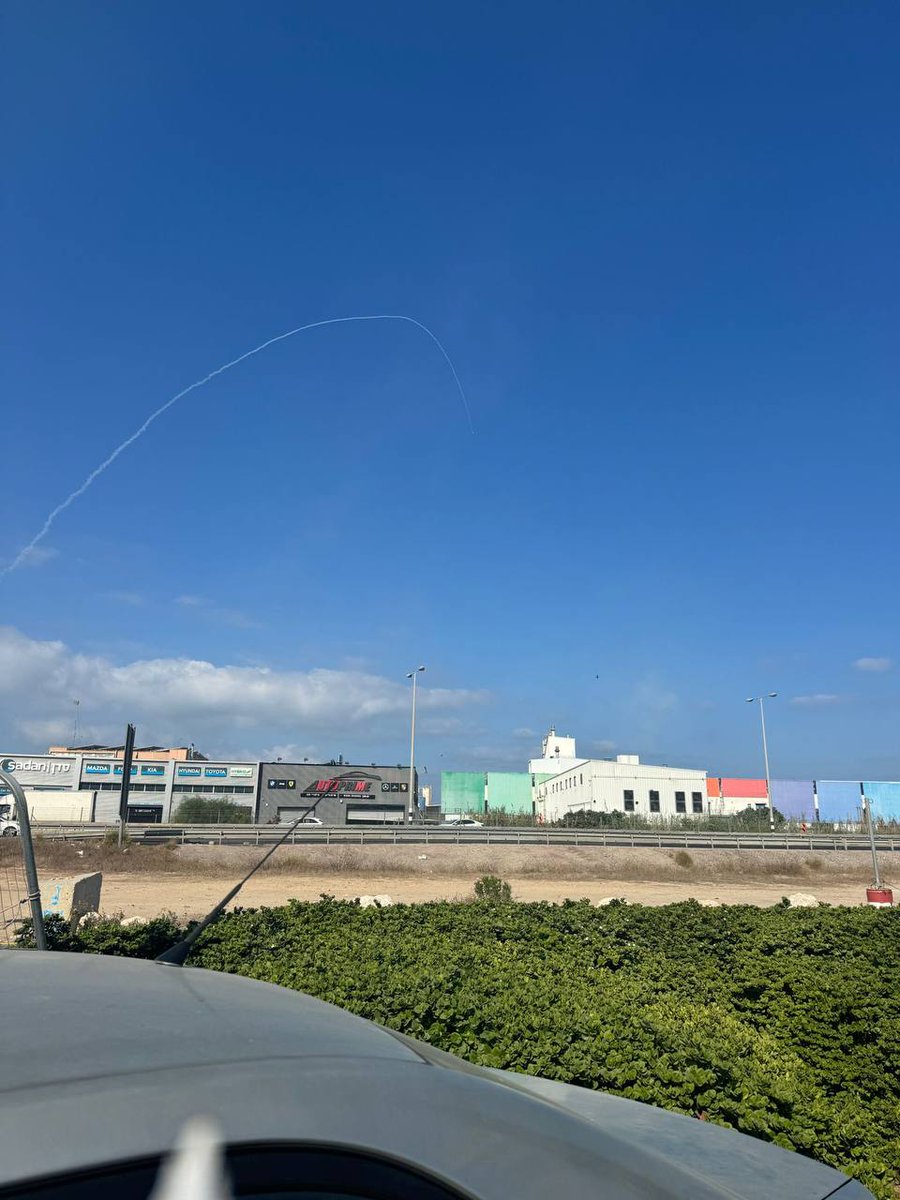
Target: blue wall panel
{"x": 838, "y": 800}
{"x": 794, "y": 798}
{"x": 885, "y": 799}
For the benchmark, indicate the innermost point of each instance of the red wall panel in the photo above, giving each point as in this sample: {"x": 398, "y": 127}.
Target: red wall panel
{"x": 753, "y": 789}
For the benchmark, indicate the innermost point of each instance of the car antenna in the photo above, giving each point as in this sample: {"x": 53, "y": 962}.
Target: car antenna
{"x": 176, "y": 955}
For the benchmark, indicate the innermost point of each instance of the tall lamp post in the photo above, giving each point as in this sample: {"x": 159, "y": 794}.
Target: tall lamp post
{"x": 413, "y": 798}
{"x": 762, "y": 717}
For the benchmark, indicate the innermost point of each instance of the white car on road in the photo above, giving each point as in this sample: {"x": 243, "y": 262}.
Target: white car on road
{"x": 463, "y": 822}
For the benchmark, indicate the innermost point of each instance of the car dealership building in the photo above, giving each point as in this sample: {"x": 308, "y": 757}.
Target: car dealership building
{"x": 88, "y": 783}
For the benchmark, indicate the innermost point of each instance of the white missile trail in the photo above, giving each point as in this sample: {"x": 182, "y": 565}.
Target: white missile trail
{"x": 97, "y": 471}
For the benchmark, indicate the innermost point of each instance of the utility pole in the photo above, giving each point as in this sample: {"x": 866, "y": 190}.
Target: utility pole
{"x": 762, "y": 718}
{"x": 878, "y": 895}
{"x": 413, "y": 675}
{"x": 77, "y": 705}
{"x": 127, "y": 756}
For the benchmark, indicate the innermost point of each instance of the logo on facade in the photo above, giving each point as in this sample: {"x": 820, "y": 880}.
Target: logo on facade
{"x": 48, "y": 767}
{"x": 350, "y": 785}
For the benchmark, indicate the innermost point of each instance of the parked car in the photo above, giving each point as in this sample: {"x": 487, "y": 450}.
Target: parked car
{"x": 465, "y": 822}
{"x": 9, "y": 828}
{"x": 122, "y": 1060}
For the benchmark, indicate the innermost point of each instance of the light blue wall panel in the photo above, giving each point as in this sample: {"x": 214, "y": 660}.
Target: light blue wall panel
{"x": 839, "y": 800}
{"x": 885, "y": 799}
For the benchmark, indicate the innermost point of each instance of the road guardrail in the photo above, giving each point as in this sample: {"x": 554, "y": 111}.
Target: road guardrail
{"x": 492, "y": 835}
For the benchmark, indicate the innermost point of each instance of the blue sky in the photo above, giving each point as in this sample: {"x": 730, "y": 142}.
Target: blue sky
{"x": 660, "y": 245}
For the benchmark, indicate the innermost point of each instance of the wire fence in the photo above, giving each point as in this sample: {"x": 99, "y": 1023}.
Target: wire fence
{"x": 20, "y": 894}
{"x": 749, "y": 821}
{"x": 14, "y": 896}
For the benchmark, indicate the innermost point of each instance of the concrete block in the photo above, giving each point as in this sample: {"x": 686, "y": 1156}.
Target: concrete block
{"x": 802, "y": 900}
{"x": 73, "y": 897}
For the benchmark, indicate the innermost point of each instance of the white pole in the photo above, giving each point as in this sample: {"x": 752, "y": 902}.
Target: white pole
{"x": 762, "y": 717}
{"x": 413, "y": 675}
{"x": 867, "y": 806}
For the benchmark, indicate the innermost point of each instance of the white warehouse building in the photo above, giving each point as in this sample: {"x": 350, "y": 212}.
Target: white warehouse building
{"x": 624, "y": 785}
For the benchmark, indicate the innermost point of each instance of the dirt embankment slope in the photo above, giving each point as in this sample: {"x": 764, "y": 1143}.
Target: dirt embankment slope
{"x": 188, "y": 880}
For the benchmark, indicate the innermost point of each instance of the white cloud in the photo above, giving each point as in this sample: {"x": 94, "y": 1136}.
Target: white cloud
{"x": 599, "y": 748}
{"x": 133, "y": 599}
{"x": 174, "y": 700}
{"x": 873, "y": 664}
{"x": 653, "y": 697}
{"x": 36, "y": 556}
{"x": 816, "y": 700}
{"x": 212, "y": 613}
{"x": 291, "y": 752}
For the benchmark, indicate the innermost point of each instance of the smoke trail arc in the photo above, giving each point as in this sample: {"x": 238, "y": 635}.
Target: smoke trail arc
{"x": 132, "y": 438}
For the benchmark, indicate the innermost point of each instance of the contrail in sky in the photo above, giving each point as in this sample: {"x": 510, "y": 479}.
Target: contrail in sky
{"x": 79, "y": 491}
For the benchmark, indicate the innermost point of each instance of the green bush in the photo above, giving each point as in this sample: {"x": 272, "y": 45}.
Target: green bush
{"x": 783, "y": 1023}
{"x": 493, "y": 890}
{"x": 749, "y": 820}
{"x": 200, "y": 810}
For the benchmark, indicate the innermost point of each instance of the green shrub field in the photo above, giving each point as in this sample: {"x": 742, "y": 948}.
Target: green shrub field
{"x": 783, "y": 1023}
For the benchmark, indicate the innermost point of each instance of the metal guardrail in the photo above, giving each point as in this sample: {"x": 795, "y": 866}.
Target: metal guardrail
{"x": 436, "y": 835}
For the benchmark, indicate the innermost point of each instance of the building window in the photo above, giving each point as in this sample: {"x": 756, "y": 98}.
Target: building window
{"x": 581, "y": 779}
{"x": 629, "y": 800}
{"x": 697, "y": 802}
{"x": 680, "y": 802}
{"x": 654, "y": 802}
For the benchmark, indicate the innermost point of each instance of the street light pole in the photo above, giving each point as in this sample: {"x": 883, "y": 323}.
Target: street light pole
{"x": 762, "y": 720}
{"x": 870, "y": 828}
{"x": 413, "y": 675}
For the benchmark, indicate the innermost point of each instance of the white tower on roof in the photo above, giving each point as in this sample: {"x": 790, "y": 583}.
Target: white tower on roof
{"x": 557, "y": 754}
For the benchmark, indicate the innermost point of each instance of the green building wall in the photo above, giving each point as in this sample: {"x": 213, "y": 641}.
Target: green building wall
{"x": 462, "y": 791}
{"x": 509, "y": 790}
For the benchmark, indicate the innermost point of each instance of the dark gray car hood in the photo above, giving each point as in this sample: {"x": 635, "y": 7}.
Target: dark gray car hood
{"x": 115, "y": 1055}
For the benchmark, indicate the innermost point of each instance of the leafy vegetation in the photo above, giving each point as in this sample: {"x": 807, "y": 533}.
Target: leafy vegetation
{"x": 783, "y": 1023}
{"x": 202, "y": 810}
{"x": 493, "y": 890}
{"x": 749, "y": 820}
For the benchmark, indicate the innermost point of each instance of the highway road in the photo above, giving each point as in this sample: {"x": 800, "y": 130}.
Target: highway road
{"x": 435, "y": 835}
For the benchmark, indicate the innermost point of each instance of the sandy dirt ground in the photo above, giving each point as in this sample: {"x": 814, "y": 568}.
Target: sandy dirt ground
{"x": 189, "y": 880}
{"x": 147, "y": 896}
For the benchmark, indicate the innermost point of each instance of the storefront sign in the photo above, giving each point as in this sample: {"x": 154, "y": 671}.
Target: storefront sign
{"x": 215, "y": 772}
{"x": 192, "y": 772}
{"x": 45, "y": 766}
{"x": 341, "y": 786}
